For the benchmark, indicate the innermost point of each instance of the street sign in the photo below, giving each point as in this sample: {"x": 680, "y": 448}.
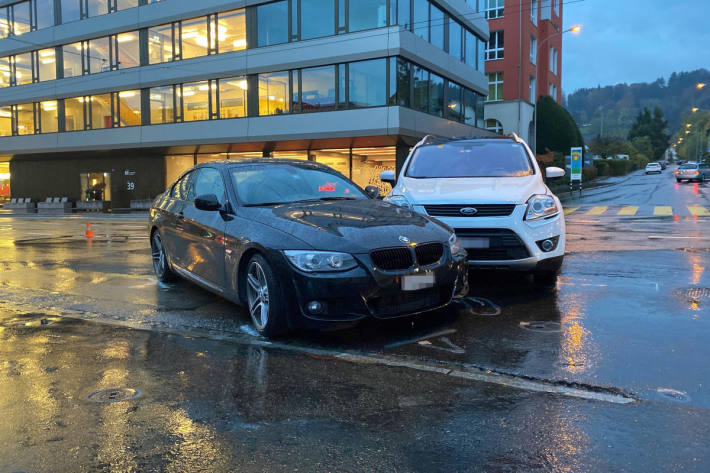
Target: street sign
{"x": 576, "y": 165}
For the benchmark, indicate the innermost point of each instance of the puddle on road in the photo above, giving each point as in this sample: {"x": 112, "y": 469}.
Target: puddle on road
{"x": 114, "y": 395}
{"x": 541, "y": 326}
{"x": 673, "y": 394}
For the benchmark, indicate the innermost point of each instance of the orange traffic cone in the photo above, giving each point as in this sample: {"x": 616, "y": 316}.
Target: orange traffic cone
{"x": 89, "y": 233}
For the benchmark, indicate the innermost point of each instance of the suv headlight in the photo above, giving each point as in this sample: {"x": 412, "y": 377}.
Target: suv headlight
{"x": 455, "y": 245}
{"x": 320, "y": 261}
{"x": 399, "y": 200}
{"x": 540, "y": 206}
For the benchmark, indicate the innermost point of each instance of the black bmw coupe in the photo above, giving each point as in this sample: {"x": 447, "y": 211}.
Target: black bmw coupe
{"x": 299, "y": 244}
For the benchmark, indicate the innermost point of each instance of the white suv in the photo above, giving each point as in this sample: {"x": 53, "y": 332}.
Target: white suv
{"x": 491, "y": 191}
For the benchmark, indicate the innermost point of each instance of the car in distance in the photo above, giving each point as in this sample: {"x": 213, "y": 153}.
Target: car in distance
{"x": 690, "y": 171}
{"x": 301, "y": 245}
{"x": 491, "y": 191}
{"x": 653, "y": 168}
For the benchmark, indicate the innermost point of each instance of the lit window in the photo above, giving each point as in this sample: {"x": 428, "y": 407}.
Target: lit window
{"x": 233, "y": 97}
{"x": 129, "y": 108}
{"x": 495, "y": 86}
{"x": 99, "y": 55}
{"x": 74, "y": 113}
{"x": 23, "y": 69}
{"x": 6, "y": 121}
{"x": 194, "y": 38}
{"x": 47, "y": 64}
{"x": 71, "y": 54}
{"x": 495, "y": 46}
{"x": 274, "y": 93}
{"x": 162, "y": 104}
{"x": 101, "y": 116}
{"x": 231, "y": 31}
{"x": 196, "y": 101}
{"x": 5, "y": 73}
{"x": 128, "y": 50}
{"x": 25, "y": 119}
{"x": 48, "y": 117}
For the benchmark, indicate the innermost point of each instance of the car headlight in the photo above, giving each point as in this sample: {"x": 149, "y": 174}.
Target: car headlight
{"x": 455, "y": 245}
{"x": 540, "y": 206}
{"x": 318, "y": 261}
{"x": 399, "y": 200}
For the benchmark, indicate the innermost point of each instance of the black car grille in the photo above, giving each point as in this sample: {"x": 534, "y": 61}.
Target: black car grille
{"x": 394, "y": 259}
{"x": 391, "y": 259}
{"x": 429, "y": 253}
{"x": 482, "y": 210}
{"x": 503, "y": 244}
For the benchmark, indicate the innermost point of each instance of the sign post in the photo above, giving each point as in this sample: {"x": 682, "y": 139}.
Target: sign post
{"x": 575, "y": 169}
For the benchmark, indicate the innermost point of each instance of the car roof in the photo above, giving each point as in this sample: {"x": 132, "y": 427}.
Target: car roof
{"x": 270, "y": 161}
{"x": 436, "y": 140}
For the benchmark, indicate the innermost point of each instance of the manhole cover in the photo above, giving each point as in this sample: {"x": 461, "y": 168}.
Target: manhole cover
{"x": 541, "y": 326}
{"x": 673, "y": 394}
{"x": 114, "y": 395}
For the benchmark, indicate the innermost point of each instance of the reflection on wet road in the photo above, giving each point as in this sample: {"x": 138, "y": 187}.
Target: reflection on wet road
{"x": 628, "y": 317}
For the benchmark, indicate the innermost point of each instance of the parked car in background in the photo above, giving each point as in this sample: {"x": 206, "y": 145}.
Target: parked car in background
{"x": 690, "y": 171}
{"x": 299, "y": 244}
{"x": 491, "y": 191}
{"x": 654, "y": 168}
{"x": 663, "y": 164}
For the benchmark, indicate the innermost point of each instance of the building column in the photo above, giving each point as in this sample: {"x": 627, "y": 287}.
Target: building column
{"x": 401, "y": 153}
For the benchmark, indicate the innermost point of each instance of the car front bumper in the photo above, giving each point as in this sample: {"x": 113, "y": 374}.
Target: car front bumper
{"x": 527, "y": 256}
{"x": 365, "y": 291}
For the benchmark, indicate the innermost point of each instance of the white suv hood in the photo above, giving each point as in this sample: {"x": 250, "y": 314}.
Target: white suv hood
{"x": 470, "y": 190}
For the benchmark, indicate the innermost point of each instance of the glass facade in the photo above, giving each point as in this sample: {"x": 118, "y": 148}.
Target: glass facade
{"x": 129, "y": 108}
{"x": 160, "y": 44}
{"x": 317, "y": 89}
{"x": 23, "y": 69}
{"x": 367, "y": 14}
{"x": 72, "y": 61}
{"x": 6, "y": 121}
{"x": 317, "y": 18}
{"x": 74, "y": 119}
{"x": 98, "y": 55}
{"x": 274, "y": 95}
{"x": 231, "y": 31}
{"x": 162, "y": 105}
{"x": 194, "y": 38}
{"x": 128, "y": 50}
{"x": 272, "y": 23}
{"x": 367, "y": 83}
{"x": 48, "y": 117}
{"x": 196, "y": 101}
{"x": 101, "y": 111}
{"x": 233, "y": 97}
{"x": 47, "y": 64}
{"x": 24, "y": 119}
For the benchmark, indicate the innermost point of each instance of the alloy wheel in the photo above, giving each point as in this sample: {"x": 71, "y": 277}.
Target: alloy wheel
{"x": 258, "y": 295}
{"x": 158, "y": 255}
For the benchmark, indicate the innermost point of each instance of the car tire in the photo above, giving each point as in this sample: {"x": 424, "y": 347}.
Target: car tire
{"x": 265, "y": 299}
{"x": 161, "y": 266}
{"x": 678, "y": 180}
{"x": 545, "y": 278}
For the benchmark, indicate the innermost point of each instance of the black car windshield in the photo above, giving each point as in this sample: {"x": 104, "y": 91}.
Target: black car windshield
{"x": 689, "y": 166}
{"x": 484, "y": 158}
{"x": 272, "y": 184}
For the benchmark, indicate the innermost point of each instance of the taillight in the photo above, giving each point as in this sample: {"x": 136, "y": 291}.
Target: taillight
{"x": 696, "y": 172}
{"x": 677, "y": 172}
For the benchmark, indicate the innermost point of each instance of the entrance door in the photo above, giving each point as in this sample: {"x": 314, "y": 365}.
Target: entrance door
{"x": 96, "y": 186}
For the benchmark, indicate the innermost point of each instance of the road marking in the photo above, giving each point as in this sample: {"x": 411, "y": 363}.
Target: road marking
{"x": 663, "y": 211}
{"x": 699, "y": 211}
{"x": 569, "y": 210}
{"x": 662, "y": 237}
{"x": 598, "y": 210}
{"x": 628, "y": 210}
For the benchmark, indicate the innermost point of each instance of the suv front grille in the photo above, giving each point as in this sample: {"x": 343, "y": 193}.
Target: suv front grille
{"x": 392, "y": 259}
{"x": 429, "y": 253}
{"x": 482, "y": 210}
{"x": 503, "y": 244}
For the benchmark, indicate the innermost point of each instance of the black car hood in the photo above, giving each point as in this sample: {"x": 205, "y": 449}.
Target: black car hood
{"x": 353, "y": 226}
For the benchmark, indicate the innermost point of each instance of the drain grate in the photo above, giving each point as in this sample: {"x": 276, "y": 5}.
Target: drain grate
{"x": 541, "y": 326}
{"x": 114, "y": 395}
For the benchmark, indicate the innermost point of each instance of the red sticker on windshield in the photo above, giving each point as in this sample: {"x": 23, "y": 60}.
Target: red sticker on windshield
{"x": 327, "y": 187}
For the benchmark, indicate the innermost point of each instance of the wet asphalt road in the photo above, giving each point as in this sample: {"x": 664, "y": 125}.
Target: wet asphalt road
{"x": 516, "y": 378}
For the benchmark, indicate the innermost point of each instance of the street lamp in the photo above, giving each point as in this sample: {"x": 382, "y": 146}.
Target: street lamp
{"x": 694, "y": 109}
{"x": 700, "y": 85}
{"x": 576, "y": 29}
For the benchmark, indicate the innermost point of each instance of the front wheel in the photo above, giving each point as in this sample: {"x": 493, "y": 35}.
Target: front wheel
{"x": 265, "y": 299}
{"x": 160, "y": 260}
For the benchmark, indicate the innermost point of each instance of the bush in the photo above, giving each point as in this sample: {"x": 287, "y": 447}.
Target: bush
{"x": 619, "y": 167}
{"x": 589, "y": 173}
{"x": 602, "y": 167}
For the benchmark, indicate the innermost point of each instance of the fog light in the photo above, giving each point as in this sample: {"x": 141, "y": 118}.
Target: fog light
{"x": 548, "y": 244}
{"x": 314, "y": 307}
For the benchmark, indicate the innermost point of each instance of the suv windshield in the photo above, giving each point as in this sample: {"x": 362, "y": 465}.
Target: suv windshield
{"x": 273, "y": 184}
{"x": 484, "y": 158}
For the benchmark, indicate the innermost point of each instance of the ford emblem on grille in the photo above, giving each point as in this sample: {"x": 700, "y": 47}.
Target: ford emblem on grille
{"x": 468, "y": 211}
{"x": 404, "y": 240}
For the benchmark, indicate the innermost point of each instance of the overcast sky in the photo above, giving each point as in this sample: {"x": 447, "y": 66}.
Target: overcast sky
{"x": 633, "y": 40}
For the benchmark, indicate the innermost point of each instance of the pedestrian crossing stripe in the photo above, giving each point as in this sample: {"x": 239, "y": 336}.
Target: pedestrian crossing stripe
{"x": 644, "y": 211}
{"x": 597, "y": 210}
{"x": 628, "y": 210}
{"x": 697, "y": 210}
{"x": 662, "y": 211}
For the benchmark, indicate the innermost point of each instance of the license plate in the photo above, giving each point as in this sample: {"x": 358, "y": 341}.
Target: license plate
{"x": 476, "y": 242}
{"x": 416, "y": 282}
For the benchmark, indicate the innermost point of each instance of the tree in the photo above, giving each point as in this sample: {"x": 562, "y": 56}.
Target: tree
{"x": 654, "y": 127}
{"x": 606, "y": 146}
{"x": 556, "y": 130}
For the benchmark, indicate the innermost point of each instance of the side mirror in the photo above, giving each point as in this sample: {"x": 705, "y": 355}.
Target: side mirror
{"x": 373, "y": 192}
{"x": 554, "y": 172}
{"x": 388, "y": 177}
{"x": 207, "y": 202}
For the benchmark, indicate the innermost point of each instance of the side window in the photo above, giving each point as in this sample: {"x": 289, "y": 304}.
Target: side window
{"x": 209, "y": 181}
{"x": 182, "y": 188}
